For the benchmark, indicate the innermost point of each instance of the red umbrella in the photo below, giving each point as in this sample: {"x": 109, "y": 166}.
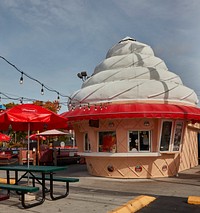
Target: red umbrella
{"x": 37, "y": 117}
{"x": 4, "y": 138}
{"x": 29, "y": 117}
{"x": 36, "y": 137}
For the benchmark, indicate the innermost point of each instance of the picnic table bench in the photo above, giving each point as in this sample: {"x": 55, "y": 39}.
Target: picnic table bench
{"x": 67, "y": 180}
{"x": 22, "y": 190}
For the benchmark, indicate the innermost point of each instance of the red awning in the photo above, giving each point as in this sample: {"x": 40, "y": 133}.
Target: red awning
{"x": 135, "y": 110}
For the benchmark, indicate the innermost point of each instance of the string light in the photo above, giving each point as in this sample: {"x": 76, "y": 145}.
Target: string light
{"x": 58, "y": 98}
{"x": 28, "y": 76}
{"x": 42, "y": 90}
{"x": 21, "y": 99}
{"x": 21, "y": 79}
{"x": 96, "y": 107}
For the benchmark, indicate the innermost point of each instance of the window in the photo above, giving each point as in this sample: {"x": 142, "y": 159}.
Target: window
{"x": 86, "y": 142}
{"x": 139, "y": 141}
{"x": 166, "y": 135}
{"x": 171, "y": 136}
{"x": 178, "y": 132}
{"x": 107, "y": 141}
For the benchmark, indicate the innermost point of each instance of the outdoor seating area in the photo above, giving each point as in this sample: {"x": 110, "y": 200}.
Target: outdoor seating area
{"x": 43, "y": 179}
{"x": 45, "y": 156}
{"x": 34, "y": 163}
{"x": 41, "y": 170}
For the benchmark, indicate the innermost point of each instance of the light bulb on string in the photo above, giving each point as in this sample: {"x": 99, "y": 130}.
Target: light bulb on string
{"x": 58, "y": 98}
{"x": 83, "y": 74}
{"x": 21, "y": 78}
{"x": 21, "y": 100}
{"x": 42, "y": 90}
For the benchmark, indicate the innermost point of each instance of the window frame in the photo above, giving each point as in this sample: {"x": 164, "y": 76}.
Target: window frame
{"x": 181, "y": 136}
{"x": 172, "y": 136}
{"x": 111, "y": 150}
{"x": 139, "y": 144}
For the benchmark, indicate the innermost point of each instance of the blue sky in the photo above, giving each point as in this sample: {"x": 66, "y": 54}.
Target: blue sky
{"x": 52, "y": 41}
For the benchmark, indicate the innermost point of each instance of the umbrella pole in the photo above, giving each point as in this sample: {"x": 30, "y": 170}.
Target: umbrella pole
{"x": 28, "y": 152}
{"x": 28, "y": 156}
{"x": 38, "y": 149}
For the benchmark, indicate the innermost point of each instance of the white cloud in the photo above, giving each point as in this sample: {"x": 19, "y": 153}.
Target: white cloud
{"x": 54, "y": 39}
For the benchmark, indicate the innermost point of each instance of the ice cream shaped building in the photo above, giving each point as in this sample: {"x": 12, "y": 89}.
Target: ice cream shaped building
{"x": 133, "y": 118}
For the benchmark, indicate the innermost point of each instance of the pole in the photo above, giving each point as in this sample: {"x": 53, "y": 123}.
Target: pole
{"x": 28, "y": 156}
{"x": 38, "y": 148}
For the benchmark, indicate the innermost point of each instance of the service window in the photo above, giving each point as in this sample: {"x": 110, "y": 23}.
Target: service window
{"x": 107, "y": 141}
{"x": 166, "y": 135}
{"x": 171, "y": 136}
{"x": 178, "y": 132}
{"x": 139, "y": 141}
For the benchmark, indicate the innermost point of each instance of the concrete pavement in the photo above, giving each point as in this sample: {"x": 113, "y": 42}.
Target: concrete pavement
{"x": 100, "y": 195}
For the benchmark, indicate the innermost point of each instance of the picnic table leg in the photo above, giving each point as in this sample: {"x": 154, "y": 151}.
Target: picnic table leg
{"x": 23, "y": 199}
{"x": 6, "y": 196}
{"x": 16, "y": 182}
{"x": 29, "y": 205}
{"x": 8, "y": 181}
{"x": 8, "y": 176}
{"x": 16, "y": 177}
{"x": 53, "y": 197}
{"x": 43, "y": 185}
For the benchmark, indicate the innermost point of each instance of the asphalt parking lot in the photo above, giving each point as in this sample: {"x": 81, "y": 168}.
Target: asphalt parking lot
{"x": 171, "y": 204}
{"x": 100, "y": 195}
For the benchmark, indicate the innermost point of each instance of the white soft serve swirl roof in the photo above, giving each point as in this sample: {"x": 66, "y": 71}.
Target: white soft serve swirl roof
{"x": 132, "y": 73}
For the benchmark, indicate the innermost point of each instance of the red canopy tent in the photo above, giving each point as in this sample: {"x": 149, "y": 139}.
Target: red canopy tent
{"x": 134, "y": 110}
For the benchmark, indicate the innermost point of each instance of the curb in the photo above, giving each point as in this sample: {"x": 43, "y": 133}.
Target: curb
{"x": 134, "y": 205}
{"x": 194, "y": 200}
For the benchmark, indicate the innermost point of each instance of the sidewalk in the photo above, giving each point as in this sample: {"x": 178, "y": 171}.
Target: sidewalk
{"x": 99, "y": 195}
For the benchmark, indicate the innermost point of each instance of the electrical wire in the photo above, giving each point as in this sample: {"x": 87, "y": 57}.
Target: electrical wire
{"x": 7, "y": 96}
{"x": 33, "y": 79}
